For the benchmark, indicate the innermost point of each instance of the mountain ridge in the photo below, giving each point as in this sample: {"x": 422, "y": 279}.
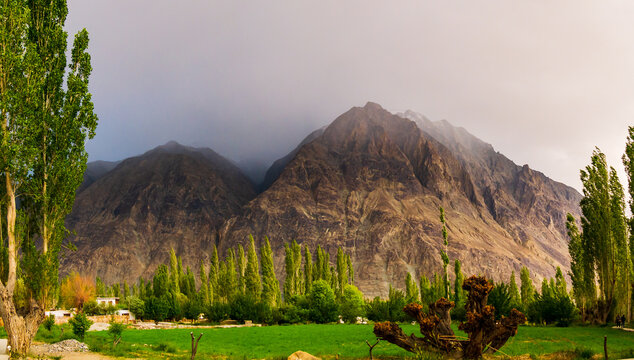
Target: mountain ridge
{"x": 371, "y": 182}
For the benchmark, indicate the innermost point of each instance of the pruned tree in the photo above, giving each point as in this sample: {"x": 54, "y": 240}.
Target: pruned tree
{"x": 483, "y": 331}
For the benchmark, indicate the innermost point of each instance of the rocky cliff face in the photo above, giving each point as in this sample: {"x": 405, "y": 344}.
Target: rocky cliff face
{"x": 171, "y": 197}
{"x": 371, "y": 182}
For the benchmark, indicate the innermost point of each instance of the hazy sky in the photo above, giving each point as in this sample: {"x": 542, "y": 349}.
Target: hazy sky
{"x": 542, "y": 81}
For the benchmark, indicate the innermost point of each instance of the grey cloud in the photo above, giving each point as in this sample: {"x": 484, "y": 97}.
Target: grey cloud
{"x": 542, "y": 81}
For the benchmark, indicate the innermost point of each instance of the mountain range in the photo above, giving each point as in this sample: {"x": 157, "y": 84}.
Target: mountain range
{"x": 371, "y": 182}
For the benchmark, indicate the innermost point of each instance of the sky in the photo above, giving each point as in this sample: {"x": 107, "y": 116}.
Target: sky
{"x": 543, "y": 81}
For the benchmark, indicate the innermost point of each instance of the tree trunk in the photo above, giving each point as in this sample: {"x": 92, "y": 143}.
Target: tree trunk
{"x": 20, "y": 329}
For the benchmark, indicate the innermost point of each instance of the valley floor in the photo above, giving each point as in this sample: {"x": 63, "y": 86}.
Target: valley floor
{"x": 347, "y": 341}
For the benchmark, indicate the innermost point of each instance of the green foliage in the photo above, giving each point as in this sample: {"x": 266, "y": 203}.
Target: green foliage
{"x": 411, "y": 289}
{"x": 157, "y": 309}
{"x": 116, "y": 330}
{"x": 527, "y": 289}
{"x": 443, "y": 254}
{"x": 80, "y": 324}
{"x": 270, "y": 285}
{"x": 136, "y": 306}
{"x": 552, "y": 307}
{"x": 604, "y": 245}
{"x": 161, "y": 281}
{"x": 253, "y": 283}
{"x": 500, "y": 299}
{"x": 323, "y": 306}
{"x": 342, "y": 272}
{"x": 49, "y": 322}
{"x": 352, "y": 304}
{"x": 514, "y": 293}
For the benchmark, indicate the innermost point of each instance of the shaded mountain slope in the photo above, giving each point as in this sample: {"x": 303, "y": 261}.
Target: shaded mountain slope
{"x": 170, "y": 197}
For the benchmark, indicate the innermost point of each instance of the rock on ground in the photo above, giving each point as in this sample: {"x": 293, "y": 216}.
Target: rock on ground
{"x": 301, "y": 355}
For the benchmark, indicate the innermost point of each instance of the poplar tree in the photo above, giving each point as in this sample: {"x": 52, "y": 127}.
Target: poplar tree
{"x": 443, "y": 253}
{"x": 342, "y": 272}
{"x": 204, "y": 287}
{"x": 426, "y": 293}
{"x": 527, "y": 289}
{"x": 581, "y": 269}
{"x": 253, "y": 283}
{"x": 604, "y": 234}
{"x": 319, "y": 264}
{"x": 270, "y": 286}
{"x": 308, "y": 270}
{"x": 242, "y": 268}
{"x": 411, "y": 289}
{"x": 232, "y": 275}
{"x": 214, "y": 268}
{"x": 628, "y": 162}
{"x": 174, "y": 277}
{"x": 514, "y": 292}
{"x": 288, "y": 281}
{"x": 297, "y": 268}
{"x": 459, "y": 294}
{"x": 350, "y": 270}
{"x": 43, "y": 130}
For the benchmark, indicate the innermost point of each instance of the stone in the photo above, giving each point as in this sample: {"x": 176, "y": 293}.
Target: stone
{"x": 301, "y": 355}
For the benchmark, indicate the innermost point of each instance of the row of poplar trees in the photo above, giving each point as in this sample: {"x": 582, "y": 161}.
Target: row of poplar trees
{"x": 603, "y": 249}
{"x": 243, "y": 273}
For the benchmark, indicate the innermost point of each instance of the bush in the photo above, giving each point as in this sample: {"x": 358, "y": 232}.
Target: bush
{"x": 80, "y": 325}
{"x": 157, "y": 309}
{"x": 323, "y": 306}
{"x": 552, "y": 309}
{"x": 377, "y": 310}
{"x": 91, "y": 308}
{"x": 49, "y": 322}
{"x": 136, "y": 306}
{"x": 352, "y": 304}
{"x": 192, "y": 309}
{"x": 115, "y": 330}
{"x": 500, "y": 298}
{"x": 292, "y": 314}
{"x": 218, "y": 312}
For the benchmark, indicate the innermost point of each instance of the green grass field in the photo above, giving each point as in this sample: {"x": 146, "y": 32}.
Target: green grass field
{"x": 328, "y": 340}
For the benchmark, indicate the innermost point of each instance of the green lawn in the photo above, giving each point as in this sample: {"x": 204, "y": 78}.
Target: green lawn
{"x": 328, "y": 340}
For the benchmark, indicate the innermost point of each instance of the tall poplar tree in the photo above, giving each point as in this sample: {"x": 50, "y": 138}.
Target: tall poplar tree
{"x": 459, "y": 296}
{"x": 270, "y": 286}
{"x": 604, "y": 235}
{"x": 174, "y": 276}
{"x": 411, "y": 289}
{"x": 204, "y": 284}
{"x": 214, "y": 268}
{"x": 253, "y": 283}
{"x": 43, "y": 130}
{"x": 342, "y": 272}
{"x": 628, "y": 161}
{"x": 443, "y": 253}
{"x": 350, "y": 270}
{"x": 527, "y": 289}
{"x": 242, "y": 268}
{"x": 308, "y": 270}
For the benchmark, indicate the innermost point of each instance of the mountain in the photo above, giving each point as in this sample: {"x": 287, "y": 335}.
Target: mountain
{"x": 95, "y": 170}
{"x": 173, "y": 196}
{"x": 371, "y": 182}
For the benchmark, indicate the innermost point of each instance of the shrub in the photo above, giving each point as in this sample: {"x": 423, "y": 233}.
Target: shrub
{"x": 91, "y": 308}
{"x": 218, "y": 312}
{"x": 80, "y": 325}
{"x": 136, "y": 306}
{"x": 157, "y": 309}
{"x": 323, "y": 306}
{"x": 49, "y": 322}
{"x": 377, "y": 310}
{"x": 352, "y": 304}
{"x": 115, "y": 330}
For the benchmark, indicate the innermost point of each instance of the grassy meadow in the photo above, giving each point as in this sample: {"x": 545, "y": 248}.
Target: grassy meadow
{"x": 276, "y": 342}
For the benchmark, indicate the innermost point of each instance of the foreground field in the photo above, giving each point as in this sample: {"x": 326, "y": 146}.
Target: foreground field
{"x": 346, "y": 340}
